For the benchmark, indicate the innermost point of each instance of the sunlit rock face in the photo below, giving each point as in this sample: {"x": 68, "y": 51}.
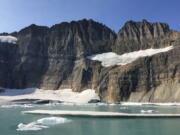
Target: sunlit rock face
{"x": 135, "y": 36}
{"x": 54, "y": 58}
{"x": 65, "y": 56}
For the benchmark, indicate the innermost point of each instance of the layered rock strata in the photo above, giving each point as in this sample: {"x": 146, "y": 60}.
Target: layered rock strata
{"x": 56, "y": 58}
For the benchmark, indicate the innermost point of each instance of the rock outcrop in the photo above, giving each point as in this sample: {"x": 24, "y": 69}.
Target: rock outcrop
{"x": 141, "y": 35}
{"x": 56, "y": 58}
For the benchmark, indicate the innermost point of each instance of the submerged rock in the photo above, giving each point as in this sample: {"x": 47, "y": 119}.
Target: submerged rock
{"x": 94, "y": 101}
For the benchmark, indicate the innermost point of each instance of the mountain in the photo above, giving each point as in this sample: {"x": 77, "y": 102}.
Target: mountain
{"x": 62, "y": 57}
{"x": 141, "y": 35}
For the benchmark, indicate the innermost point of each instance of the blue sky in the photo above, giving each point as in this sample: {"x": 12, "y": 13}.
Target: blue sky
{"x": 16, "y": 14}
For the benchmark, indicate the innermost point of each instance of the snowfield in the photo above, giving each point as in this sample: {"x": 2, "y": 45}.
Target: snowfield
{"x": 8, "y": 39}
{"x": 111, "y": 58}
{"x": 64, "y": 95}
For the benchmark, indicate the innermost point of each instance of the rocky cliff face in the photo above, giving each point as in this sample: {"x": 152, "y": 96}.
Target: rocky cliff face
{"x": 56, "y": 57}
{"x": 141, "y": 35}
{"x": 53, "y": 58}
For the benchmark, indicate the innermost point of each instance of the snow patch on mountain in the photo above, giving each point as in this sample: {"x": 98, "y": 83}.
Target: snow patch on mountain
{"x": 8, "y": 39}
{"x": 111, "y": 58}
{"x": 64, "y": 95}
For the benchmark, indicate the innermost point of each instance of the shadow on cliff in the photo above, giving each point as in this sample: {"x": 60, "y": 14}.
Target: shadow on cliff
{"x": 15, "y": 92}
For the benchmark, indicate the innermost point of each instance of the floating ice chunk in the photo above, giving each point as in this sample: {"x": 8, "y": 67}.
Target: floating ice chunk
{"x": 167, "y": 104}
{"x": 123, "y": 108}
{"x": 149, "y": 103}
{"x": 17, "y": 105}
{"x": 148, "y": 111}
{"x": 52, "y": 121}
{"x": 111, "y": 58}
{"x": 143, "y": 114}
{"x": 112, "y": 104}
{"x": 102, "y": 104}
{"x": 8, "y": 39}
{"x": 132, "y": 103}
{"x": 30, "y": 126}
{"x": 42, "y": 123}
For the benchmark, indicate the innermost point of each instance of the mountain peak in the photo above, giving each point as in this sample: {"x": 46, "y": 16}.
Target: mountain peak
{"x": 143, "y": 30}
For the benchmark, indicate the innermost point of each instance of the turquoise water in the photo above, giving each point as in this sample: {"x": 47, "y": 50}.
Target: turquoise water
{"x": 11, "y": 117}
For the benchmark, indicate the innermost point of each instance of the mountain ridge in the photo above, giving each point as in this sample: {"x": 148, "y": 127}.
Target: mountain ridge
{"x": 55, "y": 58}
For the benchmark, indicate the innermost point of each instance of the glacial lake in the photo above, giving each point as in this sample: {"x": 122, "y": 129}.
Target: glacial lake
{"x": 13, "y": 121}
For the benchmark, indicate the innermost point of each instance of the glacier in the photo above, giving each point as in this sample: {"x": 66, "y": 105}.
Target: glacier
{"x": 112, "y": 59}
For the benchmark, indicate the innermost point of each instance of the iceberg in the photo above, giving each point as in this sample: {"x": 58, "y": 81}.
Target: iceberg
{"x": 42, "y": 123}
{"x": 148, "y": 111}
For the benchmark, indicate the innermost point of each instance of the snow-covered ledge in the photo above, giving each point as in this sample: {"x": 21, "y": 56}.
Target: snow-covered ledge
{"x": 111, "y": 58}
{"x": 64, "y": 95}
{"x": 8, "y": 39}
